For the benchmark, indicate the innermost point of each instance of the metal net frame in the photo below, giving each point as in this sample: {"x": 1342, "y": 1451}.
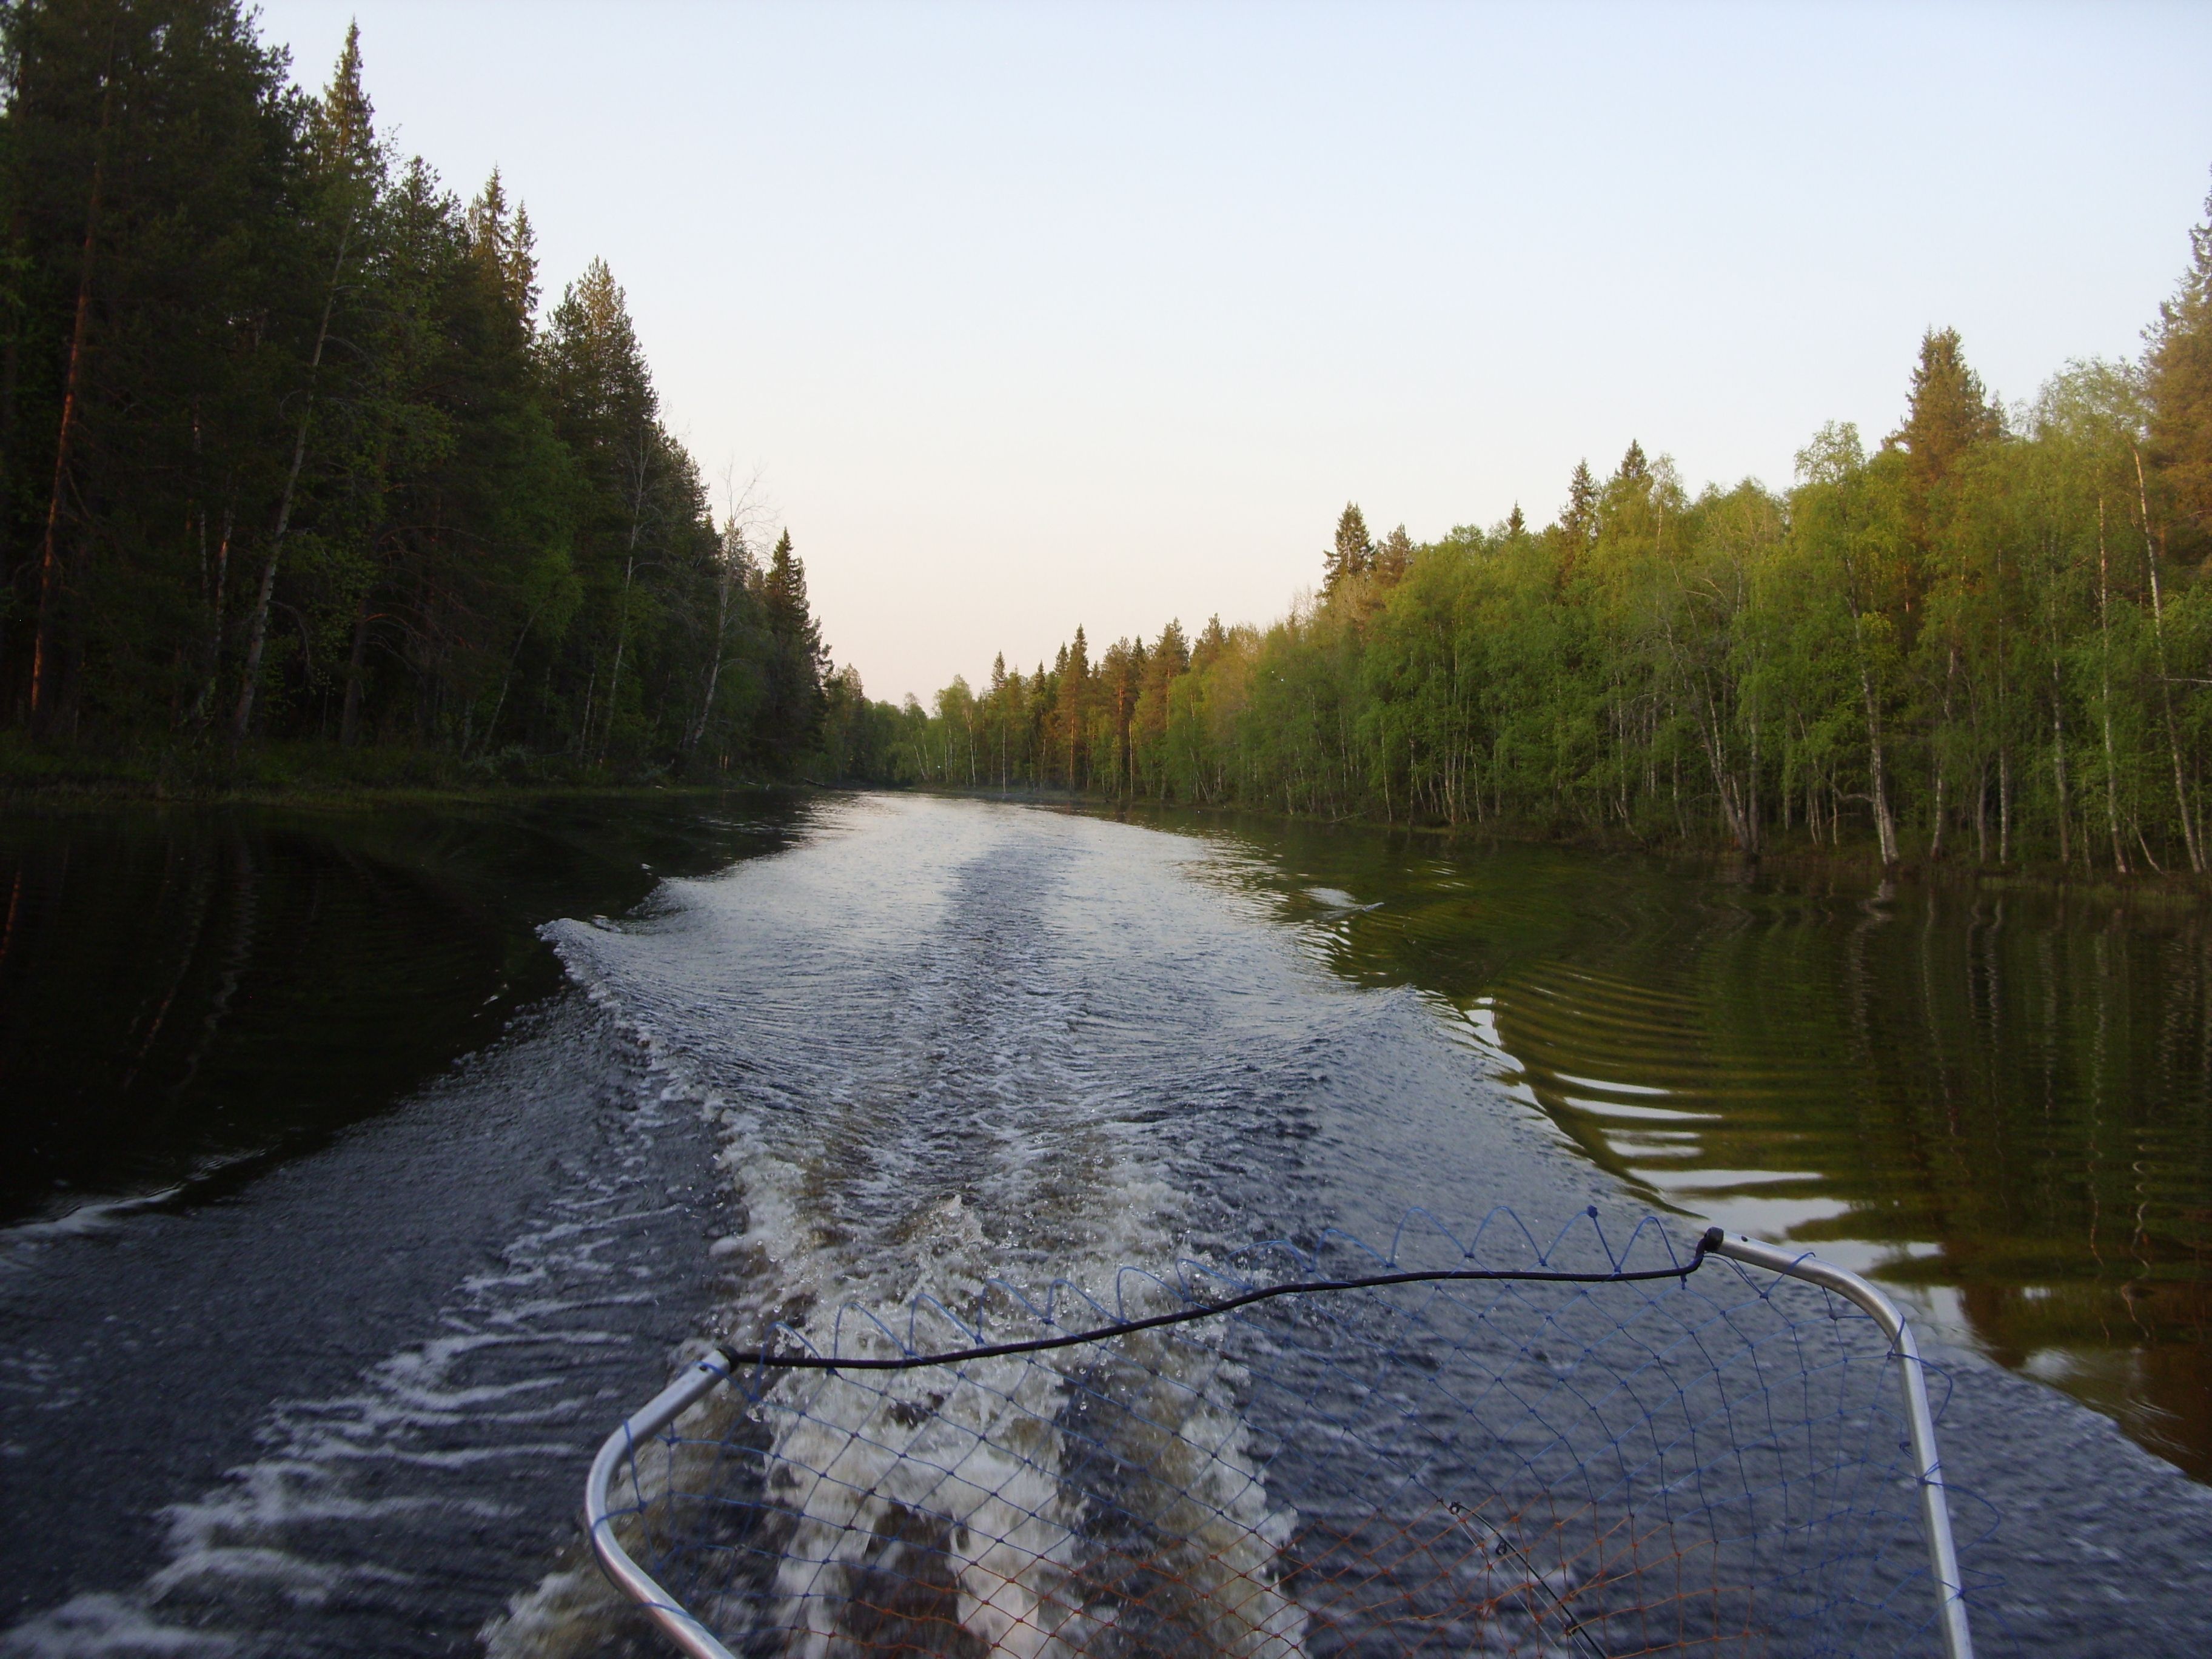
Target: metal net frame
{"x": 1542, "y": 1448}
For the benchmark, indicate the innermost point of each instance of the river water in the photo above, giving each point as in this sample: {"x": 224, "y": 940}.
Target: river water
{"x": 363, "y": 1170}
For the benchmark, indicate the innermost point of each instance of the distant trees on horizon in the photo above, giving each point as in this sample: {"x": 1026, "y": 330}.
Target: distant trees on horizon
{"x": 1988, "y": 636}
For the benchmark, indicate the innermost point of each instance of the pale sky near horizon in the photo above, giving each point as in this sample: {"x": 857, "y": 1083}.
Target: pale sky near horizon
{"x": 1032, "y": 315}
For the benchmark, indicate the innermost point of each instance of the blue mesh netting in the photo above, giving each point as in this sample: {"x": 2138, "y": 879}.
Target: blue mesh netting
{"x": 1712, "y": 1461}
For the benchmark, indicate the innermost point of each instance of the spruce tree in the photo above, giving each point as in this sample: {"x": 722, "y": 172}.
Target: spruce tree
{"x": 1074, "y": 701}
{"x": 346, "y": 169}
{"x": 1353, "y": 552}
{"x": 602, "y": 389}
{"x": 1947, "y": 414}
{"x": 1212, "y": 644}
{"x": 1172, "y": 653}
{"x": 606, "y": 411}
{"x": 151, "y": 162}
{"x": 281, "y": 441}
{"x": 797, "y": 661}
{"x": 1579, "y": 521}
{"x": 507, "y": 248}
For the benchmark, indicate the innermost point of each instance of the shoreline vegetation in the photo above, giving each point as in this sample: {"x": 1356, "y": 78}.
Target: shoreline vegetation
{"x": 292, "y": 458}
{"x": 1985, "y": 641}
{"x": 1855, "y": 863}
{"x": 304, "y": 492}
{"x": 310, "y": 773}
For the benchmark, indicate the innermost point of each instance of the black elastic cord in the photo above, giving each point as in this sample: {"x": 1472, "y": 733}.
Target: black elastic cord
{"x": 815, "y": 1362}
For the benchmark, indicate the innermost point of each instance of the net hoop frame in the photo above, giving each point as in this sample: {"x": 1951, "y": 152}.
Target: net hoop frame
{"x": 704, "y": 1376}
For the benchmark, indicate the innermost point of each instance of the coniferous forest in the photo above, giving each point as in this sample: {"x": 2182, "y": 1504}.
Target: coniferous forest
{"x": 291, "y": 449}
{"x": 1986, "y": 636}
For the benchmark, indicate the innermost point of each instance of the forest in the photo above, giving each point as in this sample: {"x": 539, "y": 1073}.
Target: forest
{"x": 291, "y": 450}
{"x": 1986, "y": 636}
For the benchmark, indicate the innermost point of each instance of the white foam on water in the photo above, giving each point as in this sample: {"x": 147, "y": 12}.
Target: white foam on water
{"x": 89, "y": 1625}
{"x": 920, "y": 1096}
{"x": 20, "y": 1242}
{"x": 263, "y": 1535}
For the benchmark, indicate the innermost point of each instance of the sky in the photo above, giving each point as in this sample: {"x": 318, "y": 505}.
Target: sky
{"x": 1024, "y": 316}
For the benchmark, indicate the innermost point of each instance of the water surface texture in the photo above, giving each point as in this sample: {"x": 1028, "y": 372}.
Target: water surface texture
{"x": 1997, "y": 1103}
{"x": 186, "y": 993}
{"x": 852, "y": 1048}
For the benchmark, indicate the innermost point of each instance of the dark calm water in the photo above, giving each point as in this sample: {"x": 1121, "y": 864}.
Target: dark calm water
{"x": 362, "y": 1169}
{"x": 1999, "y": 1103}
{"x": 188, "y": 992}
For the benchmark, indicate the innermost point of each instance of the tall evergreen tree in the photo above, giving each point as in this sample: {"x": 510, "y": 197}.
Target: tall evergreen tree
{"x": 635, "y": 491}
{"x": 1352, "y": 553}
{"x": 284, "y": 453}
{"x": 153, "y": 158}
{"x": 1947, "y": 412}
{"x": 1579, "y": 520}
{"x": 345, "y": 177}
{"x": 796, "y": 662}
{"x": 1393, "y": 556}
{"x": 2180, "y": 373}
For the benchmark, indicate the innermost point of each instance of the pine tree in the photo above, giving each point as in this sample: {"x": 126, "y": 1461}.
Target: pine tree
{"x": 1172, "y": 653}
{"x": 2180, "y": 373}
{"x": 1394, "y": 557}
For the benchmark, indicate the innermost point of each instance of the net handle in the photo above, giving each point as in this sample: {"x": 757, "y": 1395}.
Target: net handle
{"x": 1928, "y": 1466}
{"x": 705, "y": 1375}
{"x": 698, "y": 1382}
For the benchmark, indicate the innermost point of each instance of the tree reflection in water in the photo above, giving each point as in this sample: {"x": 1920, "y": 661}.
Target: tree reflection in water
{"x": 1998, "y": 1101}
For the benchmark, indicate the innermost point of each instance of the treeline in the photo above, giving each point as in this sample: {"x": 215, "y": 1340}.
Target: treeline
{"x": 287, "y": 449}
{"x": 1991, "y": 637}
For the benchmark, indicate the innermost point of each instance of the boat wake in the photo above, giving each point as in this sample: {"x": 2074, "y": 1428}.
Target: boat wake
{"x": 930, "y": 1097}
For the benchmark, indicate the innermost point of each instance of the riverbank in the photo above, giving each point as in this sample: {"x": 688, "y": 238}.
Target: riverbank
{"x": 1798, "y": 863}
{"x": 33, "y": 775}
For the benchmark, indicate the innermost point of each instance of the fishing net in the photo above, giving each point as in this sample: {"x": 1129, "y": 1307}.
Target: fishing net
{"x": 1602, "y": 1452}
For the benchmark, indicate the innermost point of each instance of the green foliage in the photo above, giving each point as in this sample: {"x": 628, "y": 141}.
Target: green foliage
{"x": 1351, "y": 553}
{"x": 2178, "y": 368}
{"x": 1974, "y": 642}
{"x": 287, "y": 455}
